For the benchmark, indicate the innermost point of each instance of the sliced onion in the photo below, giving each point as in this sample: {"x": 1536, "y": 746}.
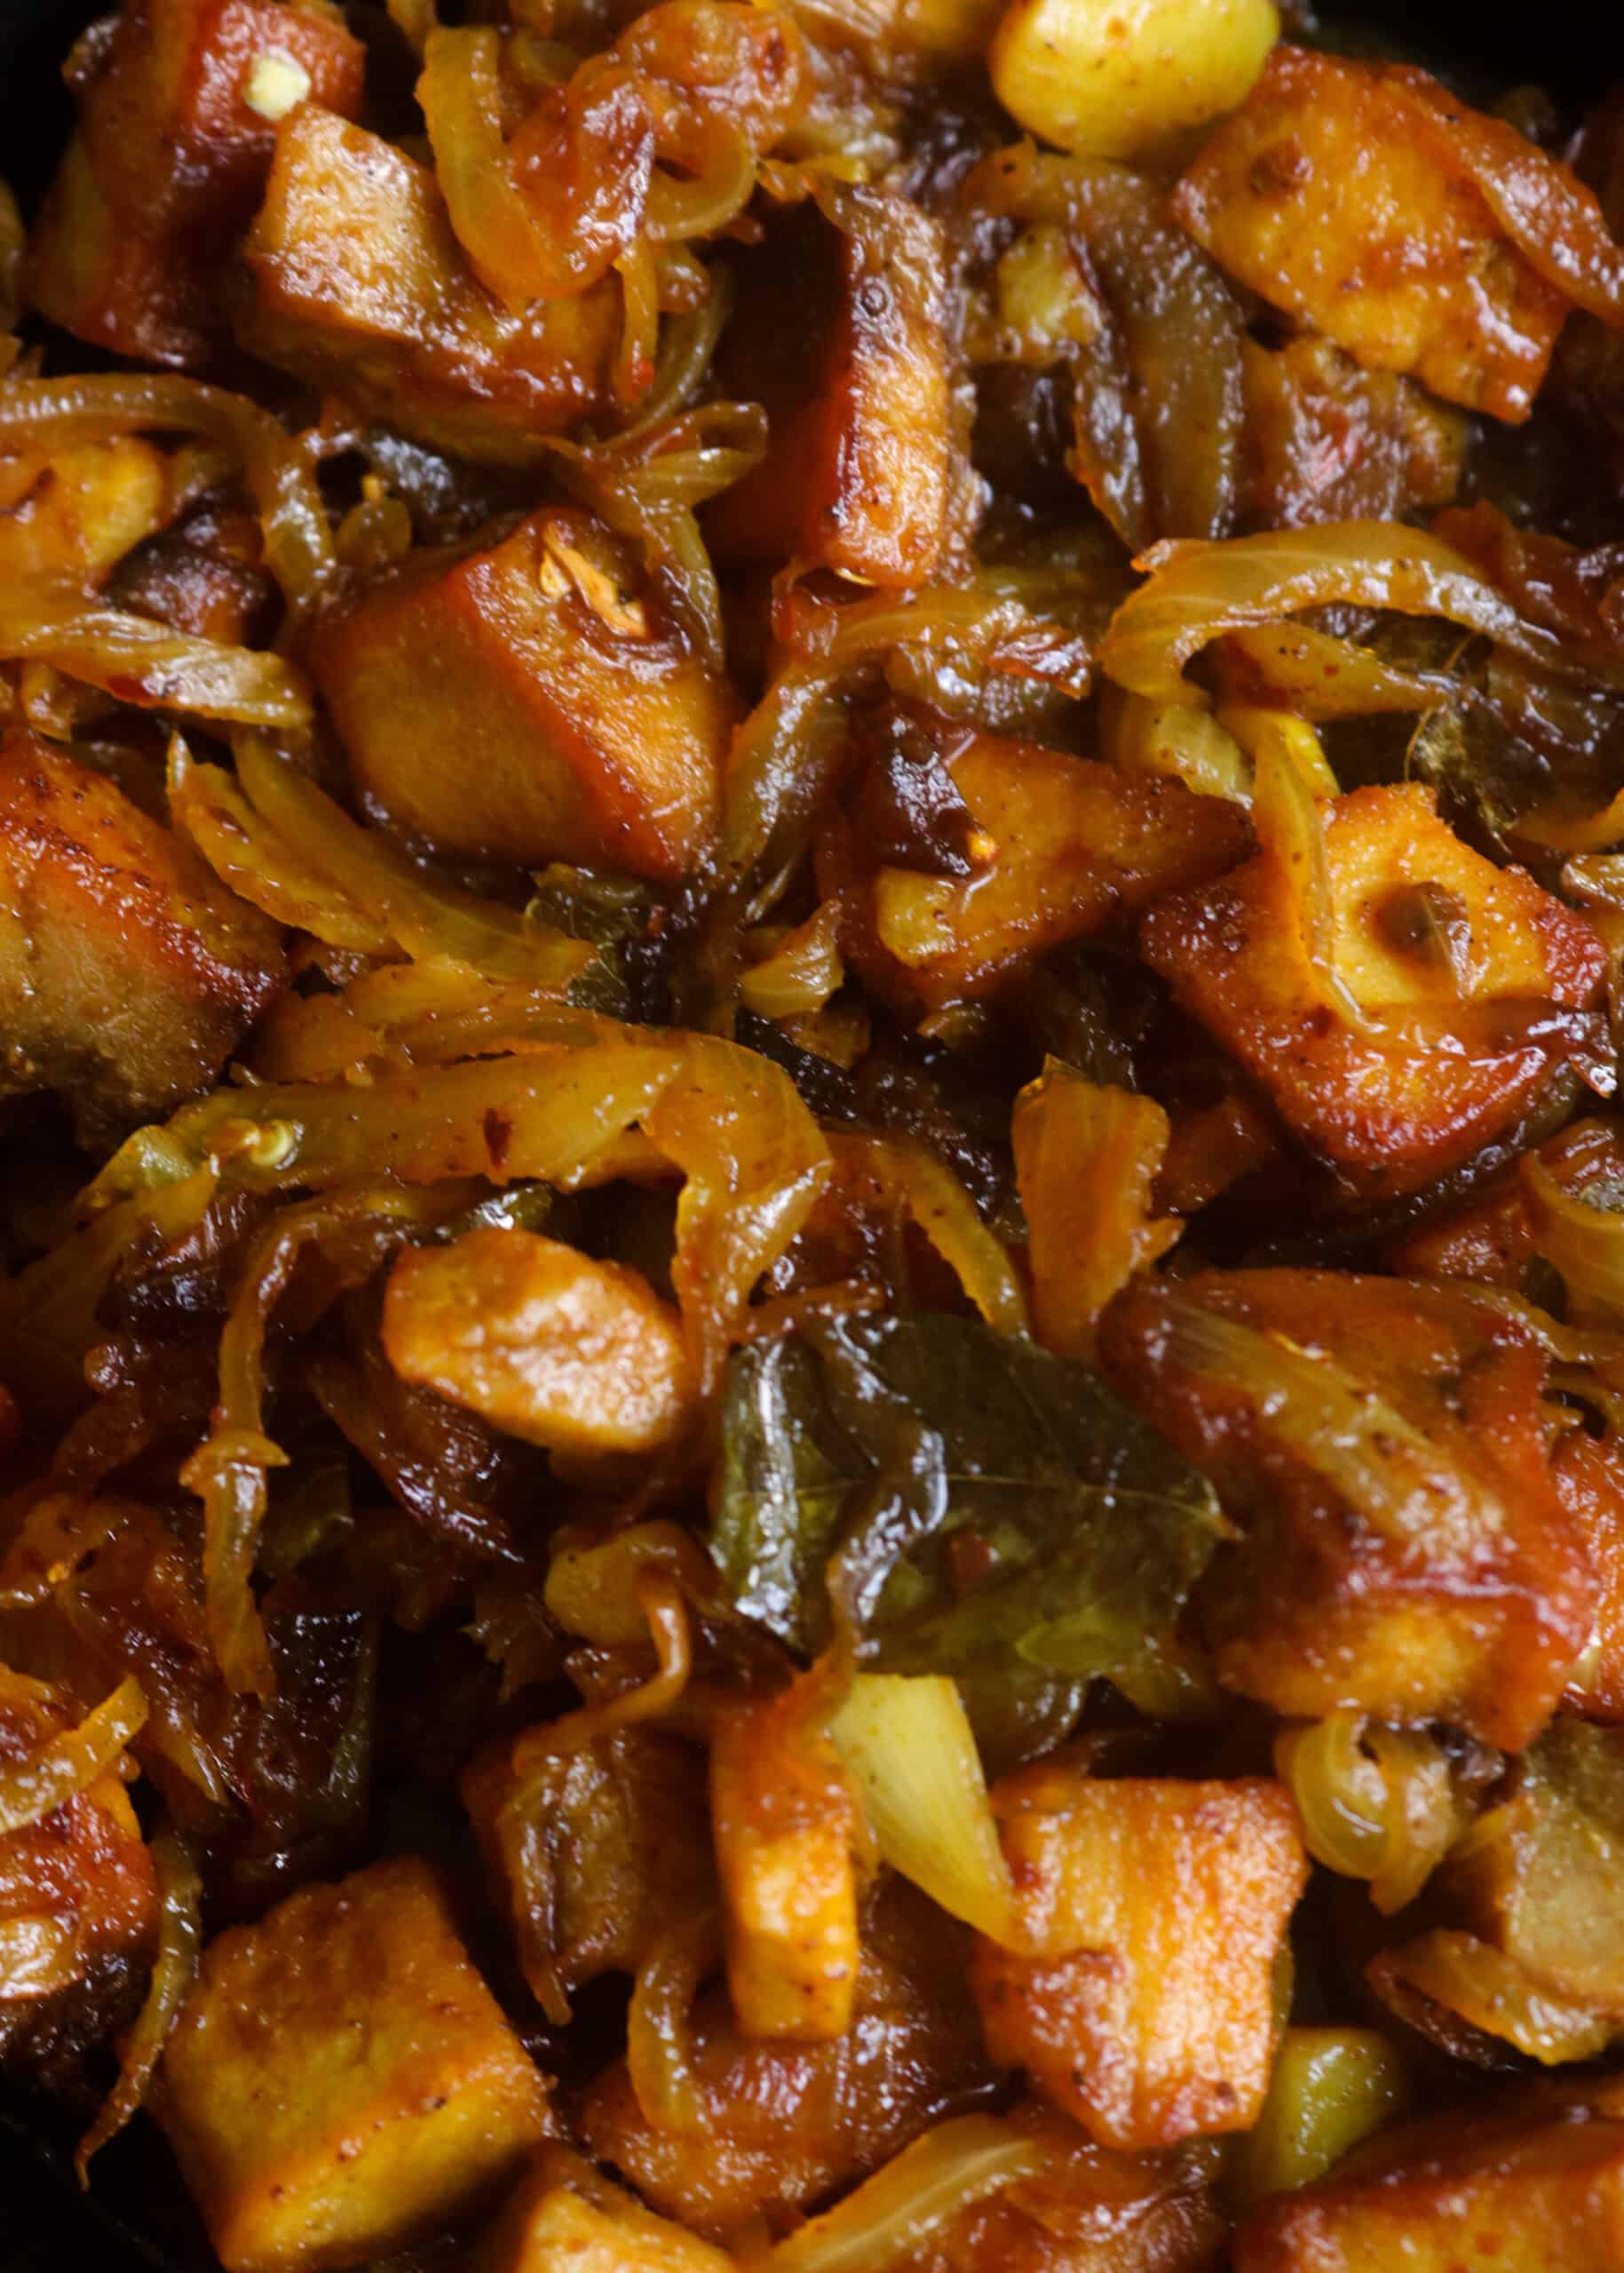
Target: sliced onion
{"x": 1551, "y": 218}
{"x": 259, "y": 864}
{"x": 58, "y": 413}
{"x": 147, "y": 664}
{"x": 180, "y": 1941}
{"x": 1197, "y": 592}
{"x": 229, "y": 1469}
{"x": 1425, "y": 1813}
{"x": 659, "y": 2040}
{"x": 1340, "y": 1792}
{"x": 802, "y": 971}
{"x": 1086, "y": 1156}
{"x": 71, "y": 1762}
{"x": 1180, "y": 738}
{"x": 913, "y": 1180}
{"x": 1492, "y": 1991}
{"x": 893, "y": 2215}
{"x": 1280, "y": 734}
{"x": 1162, "y": 449}
{"x": 355, "y": 885}
{"x": 549, "y": 215}
{"x": 752, "y": 1157}
{"x": 1290, "y": 818}
{"x": 906, "y": 1744}
{"x": 1320, "y": 677}
{"x": 1583, "y": 1242}
{"x": 1382, "y": 1464}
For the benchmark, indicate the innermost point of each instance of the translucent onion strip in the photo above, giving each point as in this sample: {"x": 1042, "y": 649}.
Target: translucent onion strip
{"x": 58, "y": 413}
{"x": 180, "y": 1940}
{"x": 1383, "y": 1465}
{"x": 1085, "y": 1159}
{"x": 152, "y": 667}
{"x": 659, "y": 2037}
{"x": 1490, "y": 1991}
{"x": 229, "y": 1471}
{"x": 893, "y": 2215}
{"x": 71, "y": 1762}
{"x": 1196, "y": 592}
{"x": 349, "y": 885}
{"x": 1176, "y": 739}
{"x": 547, "y": 216}
{"x": 914, "y": 1181}
{"x": 1377, "y": 1804}
{"x": 1289, "y": 817}
{"x": 906, "y": 1744}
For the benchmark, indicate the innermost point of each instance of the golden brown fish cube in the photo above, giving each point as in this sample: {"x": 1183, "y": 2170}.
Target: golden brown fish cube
{"x": 785, "y": 1822}
{"x": 840, "y": 333}
{"x": 127, "y": 973}
{"x": 1384, "y": 1447}
{"x": 342, "y": 2079}
{"x": 1534, "y": 2184}
{"x": 1395, "y": 1102}
{"x": 525, "y": 702}
{"x": 1069, "y": 845}
{"x": 1335, "y": 191}
{"x": 1155, "y": 1909}
{"x": 360, "y": 287}
{"x": 567, "y": 2214}
{"x": 175, "y": 132}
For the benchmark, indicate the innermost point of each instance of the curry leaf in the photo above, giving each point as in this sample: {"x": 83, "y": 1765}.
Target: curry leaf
{"x": 974, "y": 1502}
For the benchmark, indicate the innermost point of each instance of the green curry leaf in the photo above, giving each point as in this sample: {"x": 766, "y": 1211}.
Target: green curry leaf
{"x": 976, "y": 1503}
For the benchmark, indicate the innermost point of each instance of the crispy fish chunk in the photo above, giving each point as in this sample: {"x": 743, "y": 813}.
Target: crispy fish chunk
{"x": 1530, "y": 2183}
{"x": 523, "y": 702}
{"x": 568, "y": 2213}
{"x": 842, "y": 333}
{"x": 127, "y": 974}
{"x": 542, "y": 1340}
{"x": 1155, "y": 1909}
{"x": 174, "y": 144}
{"x": 785, "y": 1822}
{"x": 1384, "y": 1445}
{"x": 1466, "y": 974}
{"x": 359, "y": 286}
{"x": 341, "y": 2078}
{"x": 1066, "y": 845}
{"x": 1338, "y": 192}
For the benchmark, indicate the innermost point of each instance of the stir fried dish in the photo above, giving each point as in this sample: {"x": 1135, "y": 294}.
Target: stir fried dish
{"x": 811, "y": 1184}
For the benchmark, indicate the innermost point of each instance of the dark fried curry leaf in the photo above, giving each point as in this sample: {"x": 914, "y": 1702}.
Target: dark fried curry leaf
{"x": 971, "y": 1501}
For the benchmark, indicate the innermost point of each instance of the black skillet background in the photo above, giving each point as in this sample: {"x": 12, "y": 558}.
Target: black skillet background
{"x": 1573, "y": 47}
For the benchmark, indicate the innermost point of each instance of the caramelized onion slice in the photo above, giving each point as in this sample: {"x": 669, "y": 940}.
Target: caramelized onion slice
{"x": 893, "y": 2215}
{"x": 180, "y": 1940}
{"x": 1197, "y": 592}
{"x": 60, "y": 412}
{"x": 71, "y": 1762}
